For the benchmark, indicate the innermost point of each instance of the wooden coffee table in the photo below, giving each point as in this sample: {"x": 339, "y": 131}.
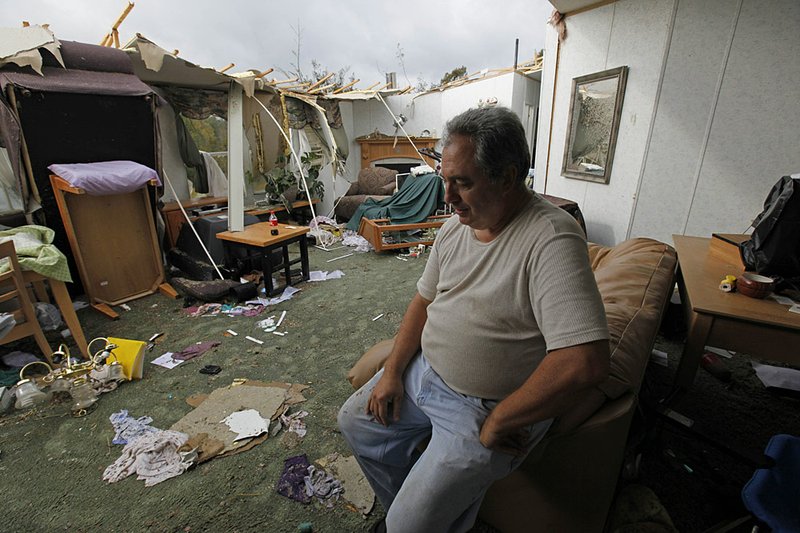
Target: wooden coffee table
{"x": 259, "y": 239}
{"x": 760, "y": 328}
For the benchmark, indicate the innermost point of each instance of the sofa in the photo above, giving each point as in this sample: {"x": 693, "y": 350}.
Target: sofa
{"x": 568, "y": 481}
{"x": 372, "y": 182}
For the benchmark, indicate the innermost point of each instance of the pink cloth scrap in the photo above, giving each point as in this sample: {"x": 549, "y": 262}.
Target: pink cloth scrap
{"x": 194, "y": 350}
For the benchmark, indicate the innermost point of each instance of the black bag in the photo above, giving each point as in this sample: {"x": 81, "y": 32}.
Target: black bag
{"x": 774, "y": 246}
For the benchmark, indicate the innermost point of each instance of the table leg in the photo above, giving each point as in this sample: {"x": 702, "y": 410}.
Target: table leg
{"x": 64, "y": 303}
{"x": 699, "y": 328}
{"x": 266, "y": 267}
{"x": 287, "y": 269}
{"x": 304, "y": 258}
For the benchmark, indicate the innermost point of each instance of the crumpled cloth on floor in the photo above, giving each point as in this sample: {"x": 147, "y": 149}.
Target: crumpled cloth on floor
{"x": 128, "y": 428}
{"x": 323, "y": 486}
{"x": 153, "y": 457}
{"x": 292, "y": 481}
{"x": 194, "y": 350}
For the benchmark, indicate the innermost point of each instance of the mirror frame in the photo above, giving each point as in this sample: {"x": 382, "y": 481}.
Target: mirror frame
{"x": 621, "y": 75}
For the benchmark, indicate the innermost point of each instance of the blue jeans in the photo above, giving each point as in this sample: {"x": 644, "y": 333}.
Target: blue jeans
{"x": 441, "y": 488}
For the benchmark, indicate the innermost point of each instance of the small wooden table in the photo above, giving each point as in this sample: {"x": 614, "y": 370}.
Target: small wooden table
{"x": 761, "y": 328}
{"x": 258, "y": 238}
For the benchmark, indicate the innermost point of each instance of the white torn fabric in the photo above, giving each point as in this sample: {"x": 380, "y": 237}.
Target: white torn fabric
{"x": 153, "y": 457}
{"x": 294, "y": 423}
{"x": 351, "y": 238}
{"x": 247, "y": 423}
{"x": 128, "y": 428}
{"x": 287, "y": 294}
{"x": 217, "y": 180}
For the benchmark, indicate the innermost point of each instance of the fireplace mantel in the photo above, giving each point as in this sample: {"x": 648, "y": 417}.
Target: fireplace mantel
{"x": 380, "y": 147}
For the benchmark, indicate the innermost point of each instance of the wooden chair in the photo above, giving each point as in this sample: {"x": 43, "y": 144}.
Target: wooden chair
{"x": 12, "y": 289}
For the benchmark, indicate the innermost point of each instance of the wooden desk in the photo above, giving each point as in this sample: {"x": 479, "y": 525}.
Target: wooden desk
{"x": 258, "y": 238}
{"x": 761, "y": 328}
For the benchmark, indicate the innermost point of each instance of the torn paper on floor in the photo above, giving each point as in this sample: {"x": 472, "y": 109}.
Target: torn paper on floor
{"x": 777, "y": 376}
{"x": 322, "y": 275}
{"x": 287, "y": 294}
{"x": 166, "y": 361}
{"x": 294, "y": 422}
{"x": 247, "y": 423}
{"x": 153, "y": 457}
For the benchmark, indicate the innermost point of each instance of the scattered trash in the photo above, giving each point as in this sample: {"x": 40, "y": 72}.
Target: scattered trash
{"x": 776, "y": 376}
{"x": 401, "y": 258}
{"x": 715, "y": 366}
{"x": 377, "y": 317}
{"x": 48, "y": 316}
{"x": 151, "y": 342}
{"x": 268, "y": 324}
{"x": 166, "y": 361}
{"x": 357, "y": 489}
{"x": 323, "y": 486}
{"x": 79, "y": 304}
{"x": 287, "y": 294}
{"x": 66, "y": 333}
{"x": 252, "y": 339}
{"x": 280, "y": 320}
{"x": 353, "y": 239}
{"x": 292, "y": 480}
{"x": 321, "y": 275}
{"x": 231, "y": 332}
{"x": 251, "y": 308}
{"x": 153, "y": 457}
{"x": 340, "y": 257}
{"x": 659, "y": 358}
{"x": 246, "y": 424}
{"x": 18, "y": 359}
{"x": 128, "y": 428}
{"x": 294, "y": 422}
{"x": 211, "y": 369}
{"x": 195, "y": 350}
{"x": 281, "y": 333}
{"x": 125, "y": 307}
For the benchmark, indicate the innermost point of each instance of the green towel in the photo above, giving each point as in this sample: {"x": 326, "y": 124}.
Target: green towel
{"x": 36, "y": 252}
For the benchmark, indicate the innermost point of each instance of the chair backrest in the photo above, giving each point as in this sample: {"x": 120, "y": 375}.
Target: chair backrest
{"x": 14, "y": 299}
{"x": 373, "y": 180}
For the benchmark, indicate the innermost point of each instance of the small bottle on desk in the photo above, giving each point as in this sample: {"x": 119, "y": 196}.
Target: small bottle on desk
{"x": 273, "y": 222}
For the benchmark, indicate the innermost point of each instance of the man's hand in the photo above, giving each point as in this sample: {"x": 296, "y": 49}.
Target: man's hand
{"x": 510, "y": 442}
{"x": 386, "y": 399}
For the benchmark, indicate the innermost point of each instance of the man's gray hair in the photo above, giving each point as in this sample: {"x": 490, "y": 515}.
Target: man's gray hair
{"x": 499, "y": 140}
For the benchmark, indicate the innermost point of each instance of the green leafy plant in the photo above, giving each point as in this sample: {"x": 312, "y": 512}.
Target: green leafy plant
{"x": 312, "y": 168}
{"x": 277, "y": 181}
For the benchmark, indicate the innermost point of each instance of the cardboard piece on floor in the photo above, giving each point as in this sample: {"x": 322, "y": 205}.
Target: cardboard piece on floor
{"x": 206, "y": 417}
{"x": 357, "y": 490}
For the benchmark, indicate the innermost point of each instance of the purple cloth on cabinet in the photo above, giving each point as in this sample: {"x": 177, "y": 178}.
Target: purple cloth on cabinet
{"x": 106, "y": 177}
{"x": 194, "y": 350}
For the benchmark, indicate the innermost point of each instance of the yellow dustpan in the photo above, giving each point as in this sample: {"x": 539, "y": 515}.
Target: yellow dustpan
{"x": 130, "y": 354}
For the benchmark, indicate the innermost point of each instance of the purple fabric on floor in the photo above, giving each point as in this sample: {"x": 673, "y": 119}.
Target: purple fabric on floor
{"x": 194, "y": 350}
{"x": 292, "y": 481}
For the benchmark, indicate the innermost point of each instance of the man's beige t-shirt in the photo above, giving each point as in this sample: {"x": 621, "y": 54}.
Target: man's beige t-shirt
{"x": 498, "y": 307}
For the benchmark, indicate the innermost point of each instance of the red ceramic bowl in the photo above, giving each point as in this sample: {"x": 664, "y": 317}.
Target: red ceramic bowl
{"x": 754, "y": 285}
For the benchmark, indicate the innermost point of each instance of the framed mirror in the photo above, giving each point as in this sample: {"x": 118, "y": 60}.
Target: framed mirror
{"x": 594, "y": 116}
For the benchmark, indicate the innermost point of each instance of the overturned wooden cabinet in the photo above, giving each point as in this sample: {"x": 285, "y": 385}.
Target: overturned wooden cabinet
{"x": 114, "y": 241}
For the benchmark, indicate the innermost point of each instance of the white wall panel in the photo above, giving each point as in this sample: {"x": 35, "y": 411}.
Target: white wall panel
{"x": 625, "y": 33}
{"x": 754, "y": 139}
{"x": 694, "y": 64}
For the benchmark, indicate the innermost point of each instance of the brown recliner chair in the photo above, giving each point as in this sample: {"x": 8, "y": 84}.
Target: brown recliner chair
{"x": 567, "y": 483}
{"x": 372, "y": 182}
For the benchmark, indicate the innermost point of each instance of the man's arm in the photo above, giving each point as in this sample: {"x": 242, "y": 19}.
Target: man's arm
{"x": 547, "y": 393}
{"x": 389, "y": 389}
